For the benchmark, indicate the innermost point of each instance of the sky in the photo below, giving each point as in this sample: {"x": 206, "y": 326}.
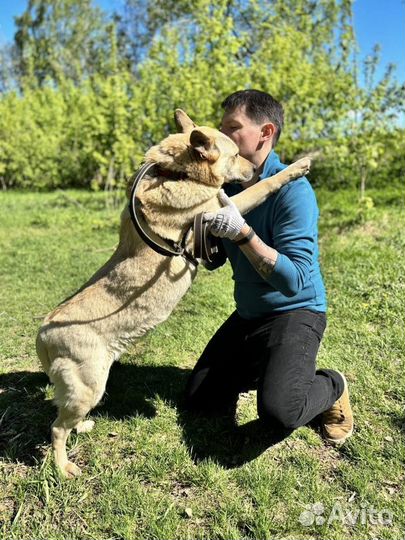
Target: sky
{"x": 375, "y": 21}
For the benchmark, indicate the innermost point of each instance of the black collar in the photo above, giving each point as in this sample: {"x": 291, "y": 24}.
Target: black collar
{"x": 172, "y": 175}
{"x": 160, "y": 245}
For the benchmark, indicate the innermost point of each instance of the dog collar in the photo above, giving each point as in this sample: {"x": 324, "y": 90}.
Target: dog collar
{"x": 167, "y": 173}
{"x": 160, "y": 245}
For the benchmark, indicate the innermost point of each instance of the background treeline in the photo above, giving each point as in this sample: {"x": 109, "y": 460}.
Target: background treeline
{"x": 83, "y": 93}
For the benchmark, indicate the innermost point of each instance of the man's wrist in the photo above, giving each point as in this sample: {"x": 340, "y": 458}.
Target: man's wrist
{"x": 245, "y": 235}
{"x": 244, "y": 230}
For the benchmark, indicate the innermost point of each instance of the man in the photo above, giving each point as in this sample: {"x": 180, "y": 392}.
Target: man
{"x": 271, "y": 341}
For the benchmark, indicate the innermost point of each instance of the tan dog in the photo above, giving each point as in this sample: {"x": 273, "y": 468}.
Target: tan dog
{"x": 82, "y": 337}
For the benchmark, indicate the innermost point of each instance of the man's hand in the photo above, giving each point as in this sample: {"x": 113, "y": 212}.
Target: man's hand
{"x": 228, "y": 221}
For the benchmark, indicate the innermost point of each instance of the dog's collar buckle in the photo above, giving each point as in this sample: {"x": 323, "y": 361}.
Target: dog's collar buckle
{"x": 205, "y": 245}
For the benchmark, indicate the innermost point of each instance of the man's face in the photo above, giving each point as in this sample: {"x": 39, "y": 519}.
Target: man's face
{"x": 243, "y": 131}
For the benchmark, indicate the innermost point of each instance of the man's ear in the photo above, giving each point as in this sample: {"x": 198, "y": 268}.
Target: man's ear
{"x": 204, "y": 145}
{"x": 268, "y": 131}
{"x": 183, "y": 121}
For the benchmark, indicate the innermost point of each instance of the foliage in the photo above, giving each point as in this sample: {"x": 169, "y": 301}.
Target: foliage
{"x": 67, "y": 136}
{"x": 367, "y": 144}
{"x": 60, "y": 39}
{"x": 89, "y": 95}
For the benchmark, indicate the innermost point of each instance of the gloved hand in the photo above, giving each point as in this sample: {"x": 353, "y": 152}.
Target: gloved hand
{"x": 228, "y": 221}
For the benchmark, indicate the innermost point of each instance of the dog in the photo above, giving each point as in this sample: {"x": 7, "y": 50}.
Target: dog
{"x": 79, "y": 340}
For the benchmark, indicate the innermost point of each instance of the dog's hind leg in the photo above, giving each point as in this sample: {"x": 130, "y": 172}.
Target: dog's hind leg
{"x": 61, "y": 429}
{"x": 76, "y": 393}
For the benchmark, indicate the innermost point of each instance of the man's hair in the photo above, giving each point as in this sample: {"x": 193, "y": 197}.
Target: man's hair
{"x": 259, "y": 107}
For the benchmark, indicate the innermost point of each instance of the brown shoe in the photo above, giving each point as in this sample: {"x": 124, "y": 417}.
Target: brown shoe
{"x": 337, "y": 422}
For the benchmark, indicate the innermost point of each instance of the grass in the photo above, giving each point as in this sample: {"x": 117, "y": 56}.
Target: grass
{"x": 149, "y": 469}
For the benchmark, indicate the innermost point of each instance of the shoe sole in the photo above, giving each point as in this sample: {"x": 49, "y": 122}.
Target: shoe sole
{"x": 337, "y": 442}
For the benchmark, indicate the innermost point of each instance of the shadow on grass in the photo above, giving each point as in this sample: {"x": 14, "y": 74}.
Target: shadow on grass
{"x": 230, "y": 445}
{"x": 397, "y": 421}
{"x": 26, "y": 416}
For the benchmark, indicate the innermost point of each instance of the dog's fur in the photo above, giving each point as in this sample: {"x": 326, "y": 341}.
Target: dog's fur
{"x": 137, "y": 288}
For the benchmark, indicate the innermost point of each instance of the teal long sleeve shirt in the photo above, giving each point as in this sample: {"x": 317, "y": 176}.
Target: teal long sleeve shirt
{"x": 288, "y": 222}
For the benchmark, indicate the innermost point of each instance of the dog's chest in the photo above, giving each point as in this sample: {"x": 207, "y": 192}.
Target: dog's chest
{"x": 151, "y": 304}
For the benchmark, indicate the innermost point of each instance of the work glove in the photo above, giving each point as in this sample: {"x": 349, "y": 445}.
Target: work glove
{"x": 228, "y": 221}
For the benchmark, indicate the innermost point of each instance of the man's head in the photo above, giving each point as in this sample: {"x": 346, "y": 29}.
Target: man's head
{"x": 253, "y": 120}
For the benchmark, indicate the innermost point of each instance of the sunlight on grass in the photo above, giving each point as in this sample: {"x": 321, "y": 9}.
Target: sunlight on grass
{"x": 149, "y": 469}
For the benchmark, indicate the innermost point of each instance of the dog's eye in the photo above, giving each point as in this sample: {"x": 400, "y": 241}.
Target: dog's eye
{"x": 236, "y": 156}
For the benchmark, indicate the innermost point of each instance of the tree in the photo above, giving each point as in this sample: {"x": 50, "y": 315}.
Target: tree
{"x": 297, "y": 50}
{"x": 357, "y": 151}
{"x": 91, "y": 100}
{"x": 140, "y": 20}
{"x": 374, "y": 116}
{"x": 60, "y": 38}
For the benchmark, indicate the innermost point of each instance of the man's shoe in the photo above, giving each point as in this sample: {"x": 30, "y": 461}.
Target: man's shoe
{"x": 337, "y": 422}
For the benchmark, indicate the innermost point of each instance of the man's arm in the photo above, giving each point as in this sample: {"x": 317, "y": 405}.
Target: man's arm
{"x": 286, "y": 266}
{"x": 262, "y": 257}
{"x": 228, "y": 223}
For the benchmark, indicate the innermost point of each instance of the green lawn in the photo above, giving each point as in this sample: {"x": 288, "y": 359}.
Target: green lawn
{"x": 149, "y": 469}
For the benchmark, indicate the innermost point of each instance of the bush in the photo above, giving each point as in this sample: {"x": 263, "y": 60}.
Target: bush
{"x": 70, "y": 136}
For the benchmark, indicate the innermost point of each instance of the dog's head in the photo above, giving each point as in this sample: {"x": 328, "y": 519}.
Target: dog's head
{"x": 205, "y": 154}
{"x": 220, "y": 156}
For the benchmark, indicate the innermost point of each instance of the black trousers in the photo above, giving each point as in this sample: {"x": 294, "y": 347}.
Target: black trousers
{"x": 275, "y": 355}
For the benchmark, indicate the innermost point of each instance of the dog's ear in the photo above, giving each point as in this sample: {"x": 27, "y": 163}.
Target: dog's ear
{"x": 204, "y": 145}
{"x": 183, "y": 121}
